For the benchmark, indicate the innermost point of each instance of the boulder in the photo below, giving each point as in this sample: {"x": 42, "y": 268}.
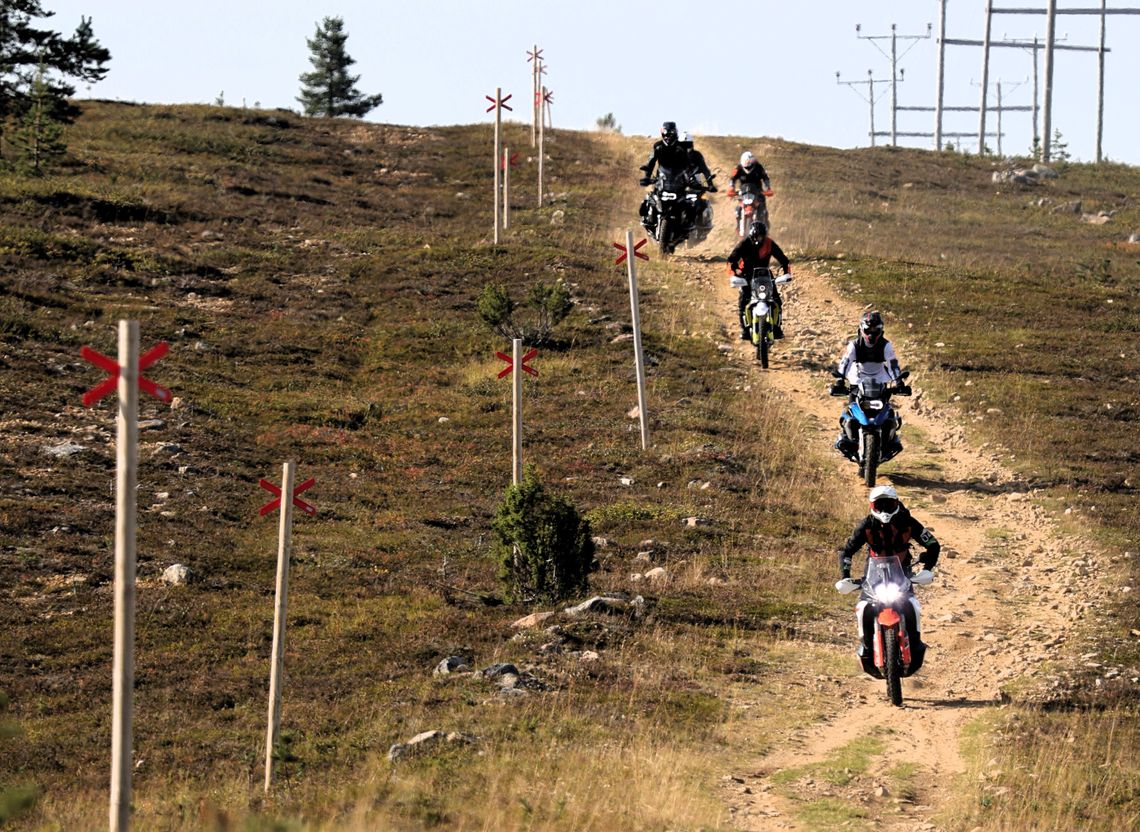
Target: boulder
{"x": 658, "y": 573}
{"x": 177, "y": 574}
{"x": 1044, "y": 171}
{"x": 693, "y": 522}
{"x": 452, "y": 664}
{"x": 426, "y": 740}
{"x": 499, "y": 669}
{"x": 533, "y": 620}
{"x": 63, "y": 450}
{"x": 613, "y": 602}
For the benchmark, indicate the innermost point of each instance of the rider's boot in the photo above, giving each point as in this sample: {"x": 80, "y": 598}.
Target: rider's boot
{"x": 777, "y": 330}
{"x": 845, "y": 446}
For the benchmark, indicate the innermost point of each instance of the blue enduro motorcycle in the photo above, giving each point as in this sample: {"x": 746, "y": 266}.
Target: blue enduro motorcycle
{"x": 869, "y": 424}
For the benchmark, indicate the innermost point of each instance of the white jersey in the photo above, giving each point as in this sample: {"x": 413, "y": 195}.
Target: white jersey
{"x": 883, "y": 371}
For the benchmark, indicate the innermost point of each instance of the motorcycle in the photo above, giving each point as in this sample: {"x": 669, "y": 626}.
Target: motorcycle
{"x": 672, "y": 211}
{"x": 751, "y": 205}
{"x": 877, "y": 423}
{"x": 760, "y": 314}
{"x": 888, "y": 590}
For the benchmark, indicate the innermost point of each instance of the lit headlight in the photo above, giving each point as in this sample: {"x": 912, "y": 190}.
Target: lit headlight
{"x": 887, "y": 594}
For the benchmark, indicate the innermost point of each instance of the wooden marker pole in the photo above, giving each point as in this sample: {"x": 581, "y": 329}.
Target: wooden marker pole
{"x": 541, "y": 152}
{"x": 506, "y": 188}
{"x": 126, "y": 477}
{"x": 639, "y": 361}
{"x": 516, "y": 411}
{"x": 284, "y": 542}
{"x": 498, "y": 154}
{"x": 534, "y": 73}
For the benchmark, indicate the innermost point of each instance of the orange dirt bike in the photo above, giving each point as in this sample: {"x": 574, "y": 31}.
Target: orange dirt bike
{"x": 762, "y": 313}
{"x": 751, "y": 204}
{"x": 886, "y": 593}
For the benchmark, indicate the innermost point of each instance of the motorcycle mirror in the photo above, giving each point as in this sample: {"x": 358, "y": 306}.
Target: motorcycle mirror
{"x": 904, "y": 374}
{"x": 836, "y": 373}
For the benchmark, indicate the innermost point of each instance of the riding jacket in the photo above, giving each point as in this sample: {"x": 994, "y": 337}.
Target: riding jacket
{"x": 754, "y": 176}
{"x": 877, "y": 361}
{"x": 893, "y": 538}
{"x": 749, "y": 255}
{"x": 674, "y": 156}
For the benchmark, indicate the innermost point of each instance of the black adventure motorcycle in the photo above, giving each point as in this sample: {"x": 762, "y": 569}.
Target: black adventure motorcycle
{"x": 673, "y": 211}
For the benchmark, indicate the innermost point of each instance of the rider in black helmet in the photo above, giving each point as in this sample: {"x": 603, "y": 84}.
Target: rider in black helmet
{"x": 668, "y": 153}
{"x": 753, "y": 252}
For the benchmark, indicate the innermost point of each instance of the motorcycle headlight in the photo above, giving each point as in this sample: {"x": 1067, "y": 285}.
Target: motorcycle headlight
{"x": 888, "y": 594}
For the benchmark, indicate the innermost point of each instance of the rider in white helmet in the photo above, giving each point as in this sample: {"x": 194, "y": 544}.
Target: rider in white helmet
{"x": 751, "y": 173}
{"x": 889, "y": 529}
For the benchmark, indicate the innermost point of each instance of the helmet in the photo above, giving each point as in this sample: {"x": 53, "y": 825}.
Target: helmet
{"x": 871, "y": 328}
{"x": 884, "y": 503}
{"x": 687, "y": 139}
{"x": 757, "y": 231}
{"x": 669, "y": 133}
{"x": 747, "y": 160}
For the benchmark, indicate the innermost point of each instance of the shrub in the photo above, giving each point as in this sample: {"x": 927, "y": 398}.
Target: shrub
{"x": 546, "y": 306}
{"x": 545, "y": 548}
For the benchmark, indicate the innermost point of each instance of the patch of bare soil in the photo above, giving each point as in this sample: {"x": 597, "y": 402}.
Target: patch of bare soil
{"x": 1005, "y": 586}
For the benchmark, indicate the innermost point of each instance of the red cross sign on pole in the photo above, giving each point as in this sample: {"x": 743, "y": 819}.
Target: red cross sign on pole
{"x": 514, "y": 160}
{"x": 636, "y": 253}
{"x": 511, "y": 365}
{"x": 111, "y": 366}
{"x": 298, "y": 502}
{"x": 502, "y": 102}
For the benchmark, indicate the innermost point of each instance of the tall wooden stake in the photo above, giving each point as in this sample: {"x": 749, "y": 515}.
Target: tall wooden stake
{"x": 541, "y": 152}
{"x": 126, "y": 477}
{"x": 516, "y": 411}
{"x": 498, "y": 154}
{"x": 638, "y": 359}
{"x": 941, "y": 76}
{"x": 506, "y": 188}
{"x": 985, "y": 78}
{"x": 284, "y": 543}
{"x": 534, "y": 74}
{"x": 1100, "y": 88}
{"x": 1050, "y": 41}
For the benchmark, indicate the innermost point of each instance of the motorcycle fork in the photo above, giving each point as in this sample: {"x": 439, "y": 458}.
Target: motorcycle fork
{"x": 891, "y": 618}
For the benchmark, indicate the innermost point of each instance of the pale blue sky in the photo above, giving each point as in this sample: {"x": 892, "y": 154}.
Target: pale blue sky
{"x": 751, "y": 68}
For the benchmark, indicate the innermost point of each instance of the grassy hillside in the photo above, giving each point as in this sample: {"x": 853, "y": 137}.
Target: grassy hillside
{"x": 317, "y": 283}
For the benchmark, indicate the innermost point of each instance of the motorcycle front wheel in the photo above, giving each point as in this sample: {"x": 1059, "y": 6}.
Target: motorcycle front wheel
{"x": 762, "y": 346}
{"x": 893, "y": 670}
{"x": 870, "y": 458}
{"x": 663, "y": 232}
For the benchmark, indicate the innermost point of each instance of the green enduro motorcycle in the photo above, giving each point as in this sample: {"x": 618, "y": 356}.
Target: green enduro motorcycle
{"x": 760, "y": 316}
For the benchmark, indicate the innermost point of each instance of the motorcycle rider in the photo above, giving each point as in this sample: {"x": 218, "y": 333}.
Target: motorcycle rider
{"x": 870, "y": 355}
{"x": 668, "y": 152}
{"x": 753, "y": 252}
{"x": 749, "y": 172}
{"x": 889, "y": 529}
{"x": 698, "y": 165}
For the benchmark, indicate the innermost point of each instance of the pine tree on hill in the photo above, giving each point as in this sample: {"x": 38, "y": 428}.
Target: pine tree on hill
{"x": 35, "y": 64}
{"x": 329, "y": 90}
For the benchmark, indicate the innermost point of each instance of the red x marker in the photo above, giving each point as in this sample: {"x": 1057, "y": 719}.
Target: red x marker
{"x": 548, "y": 97}
{"x": 636, "y": 253}
{"x": 511, "y": 363}
{"x": 532, "y": 55}
{"x": 111, "y": 366}
{"x": 502, "y": 103}
{"x": 514, "y": 160}
{"x": 299, "y": 503}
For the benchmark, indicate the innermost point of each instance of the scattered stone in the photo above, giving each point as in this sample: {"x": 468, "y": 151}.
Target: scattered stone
{"x": 1134, "y": 237}
{"x": 64, "y": 450}
{"x": 627, "y": 481}
{"x": 452, "y": 664}
{"x": 494, "y": 671}
{"x": 588, "y": 657}
{"x": 533, "y": 620}
{"x": 634, "y": 412}
{"x": 152, "y": 424}
{"x": 881, "y": 791}
{"x": 1044, "y": 171}
{"x": 166, "y": 449}
{"x": 645, "y": 557}
{"x": 558, "y": 217}
{"x": 693, "y": 522}
{"x": 1074, "y": 207}
{"x": 625, "y": 336}
{"x": 601, "y": 542}
{"x": 443, "y": 420}
{"x": 658, "y": 573}
{"x": 611, "y": 602}
{"x": 1096, "y": 219}
{"x": 426, "y": 740}
{"x": 176, "y": 575}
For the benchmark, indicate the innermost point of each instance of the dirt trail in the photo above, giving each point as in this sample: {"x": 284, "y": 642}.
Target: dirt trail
{"x": 999, "y": 581}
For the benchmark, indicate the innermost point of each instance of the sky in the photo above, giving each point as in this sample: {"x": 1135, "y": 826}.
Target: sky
{"x": 758, "y": 68}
